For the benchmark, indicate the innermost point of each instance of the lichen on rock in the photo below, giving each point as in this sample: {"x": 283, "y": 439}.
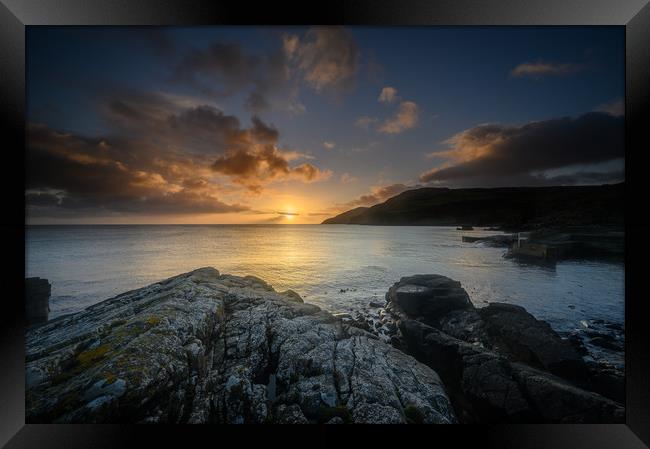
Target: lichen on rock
{"x": 203, "y": 347}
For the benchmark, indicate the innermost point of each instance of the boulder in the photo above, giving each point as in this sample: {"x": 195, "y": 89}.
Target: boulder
{"x": 519, "y": 335}
{"x": 203, "y": 347}
{"x": 37, "y": 300}
{"x": 427, "y": 297}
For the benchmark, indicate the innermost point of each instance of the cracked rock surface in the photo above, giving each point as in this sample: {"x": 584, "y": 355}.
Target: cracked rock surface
{"x": 203, "y": 347}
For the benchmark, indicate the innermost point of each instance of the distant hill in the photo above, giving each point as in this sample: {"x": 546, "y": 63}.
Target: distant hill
{"x": 508, "y": 207}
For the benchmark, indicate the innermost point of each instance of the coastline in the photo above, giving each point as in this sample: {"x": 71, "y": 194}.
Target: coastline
{"x": 232, "y": 349}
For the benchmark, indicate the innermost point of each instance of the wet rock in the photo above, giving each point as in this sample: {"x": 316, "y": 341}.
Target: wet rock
{"x": 428, "y": 297}
{"x": 203, "y": 347}
{"x": 575, "y": 340}
{"x": 606, "y": 341}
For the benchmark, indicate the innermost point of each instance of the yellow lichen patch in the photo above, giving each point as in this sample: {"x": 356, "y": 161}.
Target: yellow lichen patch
{"x": 89, "y": 357}
{"x": 153, "y": 321}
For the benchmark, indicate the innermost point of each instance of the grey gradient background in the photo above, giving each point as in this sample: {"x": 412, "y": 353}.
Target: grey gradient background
{"x": 15, "y": 14}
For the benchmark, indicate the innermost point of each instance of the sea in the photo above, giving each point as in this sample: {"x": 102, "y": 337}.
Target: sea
{"x": 341, "y": 268}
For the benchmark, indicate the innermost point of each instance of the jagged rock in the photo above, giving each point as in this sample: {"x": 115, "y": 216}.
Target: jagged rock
{"x": 203, "y": 347}
{"x": 487, "y": 387}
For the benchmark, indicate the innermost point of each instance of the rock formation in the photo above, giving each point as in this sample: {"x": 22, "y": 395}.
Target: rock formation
{"x": 203, "y": 347}
{"x": 499, "y": 363}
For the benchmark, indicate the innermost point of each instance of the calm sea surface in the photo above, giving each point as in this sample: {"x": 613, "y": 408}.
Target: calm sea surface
{"x": 338, "y": 267}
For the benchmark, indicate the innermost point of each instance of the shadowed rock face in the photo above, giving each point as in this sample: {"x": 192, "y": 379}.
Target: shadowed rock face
{"x": 37, "y": 300}
{"x": 487, "y": 387}
{"x": 514, "y": 331}
{"x": 499, "y": 363}
{"x": 203, "y": 347}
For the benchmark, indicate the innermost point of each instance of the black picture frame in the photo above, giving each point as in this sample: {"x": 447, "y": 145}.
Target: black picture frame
{"x": 634, "y": 15}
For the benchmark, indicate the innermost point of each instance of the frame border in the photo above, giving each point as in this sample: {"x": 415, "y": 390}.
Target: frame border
{"x": 633, "y": 14}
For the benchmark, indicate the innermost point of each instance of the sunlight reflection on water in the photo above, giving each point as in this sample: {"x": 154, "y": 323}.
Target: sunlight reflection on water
{"x": 338, "y": 267}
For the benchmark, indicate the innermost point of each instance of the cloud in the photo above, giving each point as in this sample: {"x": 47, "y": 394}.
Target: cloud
{"x": 377, "y": 195}
{"x": 388, "y": 95}
{"x": 347, "y": 178}
{"x": 162, "y": 155}
{"x": 227, "y": 68}
{"x": 365, "y": 121}
{"x": 254, "y": 159}
{"x": 405, "y": 118}
{"x": 79, "y": 173}
{"x": 327, "y": 58}
{"x": 493, "y": 154}
{"x": 540, "y": 69}
{"x": 329, "y": 145}
{"x": 616, "y": 107}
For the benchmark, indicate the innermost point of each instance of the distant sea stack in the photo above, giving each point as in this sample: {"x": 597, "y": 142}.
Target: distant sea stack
{"x": 519, "y": 208}
{"x": 37, "y": 300}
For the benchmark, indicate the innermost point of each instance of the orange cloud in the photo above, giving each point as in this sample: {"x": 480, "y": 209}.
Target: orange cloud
{"x": 388, "y": 95}
{"x": 405, "y": 118}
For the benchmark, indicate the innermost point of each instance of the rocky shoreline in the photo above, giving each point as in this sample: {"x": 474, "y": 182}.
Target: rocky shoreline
{"x": 204, "y": 347}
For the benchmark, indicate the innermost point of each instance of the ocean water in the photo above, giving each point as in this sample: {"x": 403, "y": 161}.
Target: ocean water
{"x": 338, "y": 267}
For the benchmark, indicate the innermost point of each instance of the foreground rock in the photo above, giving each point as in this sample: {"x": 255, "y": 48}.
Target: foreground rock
{"x": 499, "y": 363}
{"x": 209, "y": 348}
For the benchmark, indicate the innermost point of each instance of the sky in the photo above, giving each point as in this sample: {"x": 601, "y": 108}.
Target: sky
{"x": 296, "y": 124}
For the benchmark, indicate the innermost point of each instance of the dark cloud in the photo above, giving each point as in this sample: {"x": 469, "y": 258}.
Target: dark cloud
{"x": 226, "y": 68}
{"x": 510, "y": 155}
{"x": 327, "y": 58}
{"x": 256, "y": 103}
{"x": 226, "y": 63}
{"x": 162, "y": 156}
{"x": 85, "y": 176}
{"x": 324, "y": 58}
{"x": 255, "y": 159}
